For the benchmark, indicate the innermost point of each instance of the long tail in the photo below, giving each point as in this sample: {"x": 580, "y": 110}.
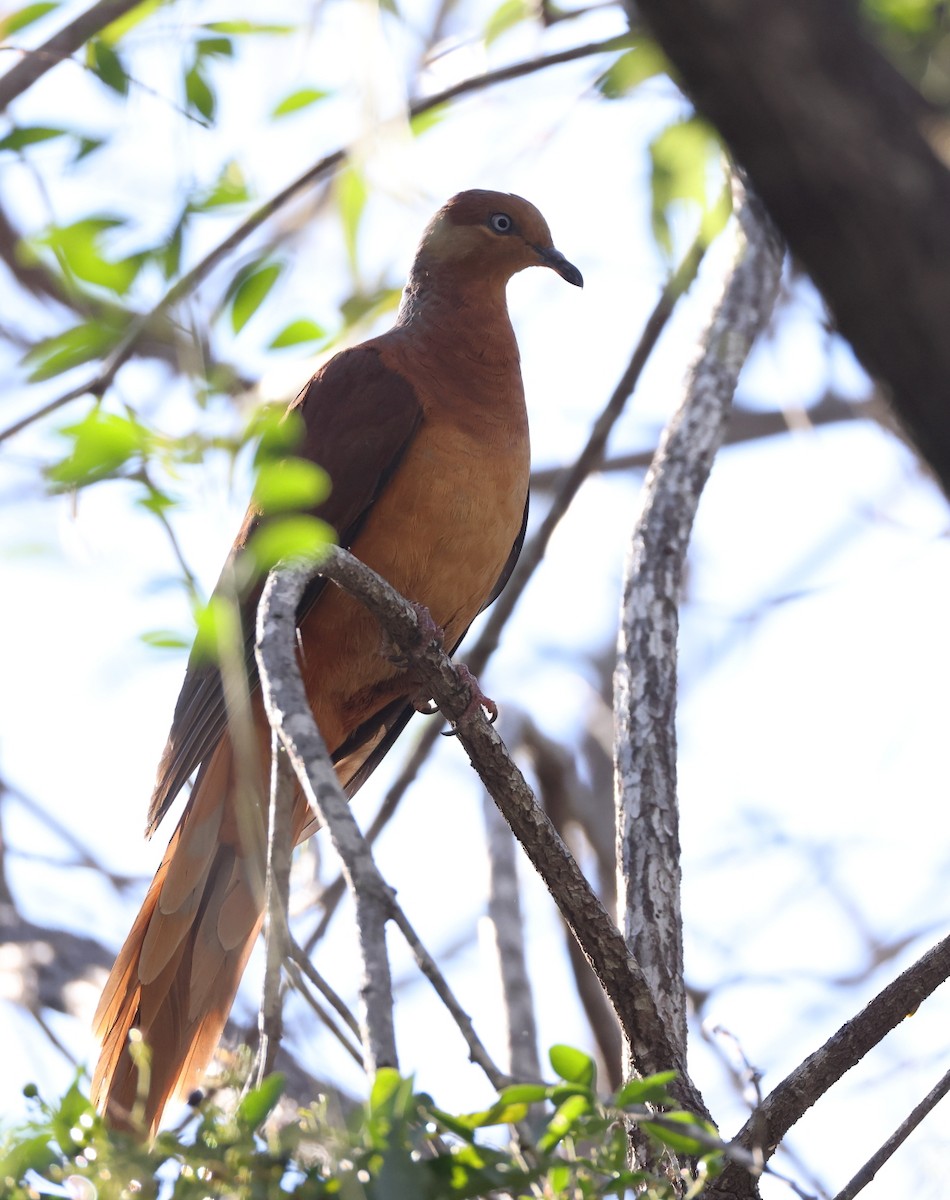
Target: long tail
{"x": 179, "y": 970}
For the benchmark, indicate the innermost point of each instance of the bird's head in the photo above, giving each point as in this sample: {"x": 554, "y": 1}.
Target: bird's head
{"x": 492, "y": 235}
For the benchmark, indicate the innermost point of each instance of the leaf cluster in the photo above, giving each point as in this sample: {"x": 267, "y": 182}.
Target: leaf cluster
{"x": 397, "y": 1144}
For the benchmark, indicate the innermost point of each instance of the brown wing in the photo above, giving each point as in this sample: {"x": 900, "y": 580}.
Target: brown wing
{"x": 359, "y": 417}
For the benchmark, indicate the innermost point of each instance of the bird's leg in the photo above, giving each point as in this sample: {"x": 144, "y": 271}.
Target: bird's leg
{"x": 479, "y": 699}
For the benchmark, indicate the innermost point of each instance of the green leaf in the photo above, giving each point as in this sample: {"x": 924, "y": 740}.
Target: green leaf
{"x": 218, "y": 626}
{"x": 388, "y": 1091}
{"x": 229, "y": 188}
{"x": 239, "y": 27}
{"x": 80, "y": 344}
{"x": 87, "y": 146}
{"x": 165, "y": 639}
{"x": 523, "y": 1093}
{"x": 15, "y": 21}
{"x": 258, "y": 1104}
{"x": 651, "y": 1090}
{"x": 681, "y": 1142}
{"x": 198, "y": 93}
{"x": 297, "y": 332}
{"x": 78, "y": 247}
{"x": 909, "y": 16}
{"x": 508, "y": 14}
{"x": 249, "y": 290}
{"x": 573, "y": 1065}
{"x": 116, "y": 30}
{"x": 351, "y": 194}
{"x": 288, "y": 538}
{"x": 101, "y": 443}
{"x": 105, "y": 62}
{"x": 29, "y": 135}
{"x": 290, "y": 484}
{"x": 214, "y": 47}
{"x": 422, "y": 122}
{"x": 563, "y": 1121}
{"x": 369, "y": 304}
{"x": 302, "y": 98}
{"x": 681, "y": 157}
{"x": 278, "y": 432}
{"x": 643, "y": 61}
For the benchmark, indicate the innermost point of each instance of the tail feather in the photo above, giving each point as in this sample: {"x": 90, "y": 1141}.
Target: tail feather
{"x": 176, "y": 977}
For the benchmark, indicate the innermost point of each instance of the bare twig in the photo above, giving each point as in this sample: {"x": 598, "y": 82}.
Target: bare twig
{"x": 645, "y": 682}
{"x": 276, "y": 898}
{"x": 900, "y": 1135}
{"x": 507, "y": 922}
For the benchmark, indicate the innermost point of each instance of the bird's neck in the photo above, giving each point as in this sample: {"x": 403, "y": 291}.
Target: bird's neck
{"x": 469, "y": 314}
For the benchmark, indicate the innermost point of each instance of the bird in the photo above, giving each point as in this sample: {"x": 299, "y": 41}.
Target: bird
{"x": 423, "y": 433}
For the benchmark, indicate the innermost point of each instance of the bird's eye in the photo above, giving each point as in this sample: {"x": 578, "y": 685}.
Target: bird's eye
{"x": 501, "y": 223}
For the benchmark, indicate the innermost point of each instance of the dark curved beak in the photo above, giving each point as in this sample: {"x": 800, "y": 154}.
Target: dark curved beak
{"x": 557, "y": 262}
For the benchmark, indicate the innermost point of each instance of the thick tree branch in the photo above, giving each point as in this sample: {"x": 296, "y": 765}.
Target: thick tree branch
{"x": 835, "y": 143}
{"x": 645, "y": 683}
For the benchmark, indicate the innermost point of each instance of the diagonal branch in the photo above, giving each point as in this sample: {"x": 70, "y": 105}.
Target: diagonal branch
{"x": 61, "y": 45}
{"x": 619, "y": 973}
{"x": 821, "y": 1070}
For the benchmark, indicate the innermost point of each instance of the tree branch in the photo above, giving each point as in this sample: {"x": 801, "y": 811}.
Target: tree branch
{"x": 618, "y": 971}
{"x": 897, "y": 1138}
{"x": 285, "y": 701}
{"x": 35, "y": 63}
{"x": 821, "y": 1070}
{"x": 648, "y": 855}
{"x": 835, "y": 143}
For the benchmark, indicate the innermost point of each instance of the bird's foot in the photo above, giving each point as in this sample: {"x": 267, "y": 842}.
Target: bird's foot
{"x": 478, "y": 702}
{"x": 429, "y": 632}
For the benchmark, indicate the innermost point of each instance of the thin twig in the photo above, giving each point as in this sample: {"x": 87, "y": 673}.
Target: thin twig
{"x": 276, "y": 899}
{"x": 285, "y": 701}
{"x": 900, "y": 1135}
{"x": 507, "y": 920}
{"x": 300, "y": 958}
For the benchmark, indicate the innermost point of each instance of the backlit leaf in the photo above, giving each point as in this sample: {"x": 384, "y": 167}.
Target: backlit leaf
{"x": 508, "y": 14}
{"x": 643, "y": 61}
{"x": 302, "y": 98}
{"x": 296, "y": 332}
{"x": 15, "y": 21}
{"x": 105, "y": 62}
{"x": 290, "y": 484}
{"x": 116, "y": 30}
{"x": 573, "y": 1065}
{"x": 101, "y": 443}
{"x": 288, "y": 538}
{"x": 198, "y": 93}
{"x": 250, "y": 290}
{"x": 351, "y": 194}
{"x": 29, "y": 135}
{"x": 81, "y": 344}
